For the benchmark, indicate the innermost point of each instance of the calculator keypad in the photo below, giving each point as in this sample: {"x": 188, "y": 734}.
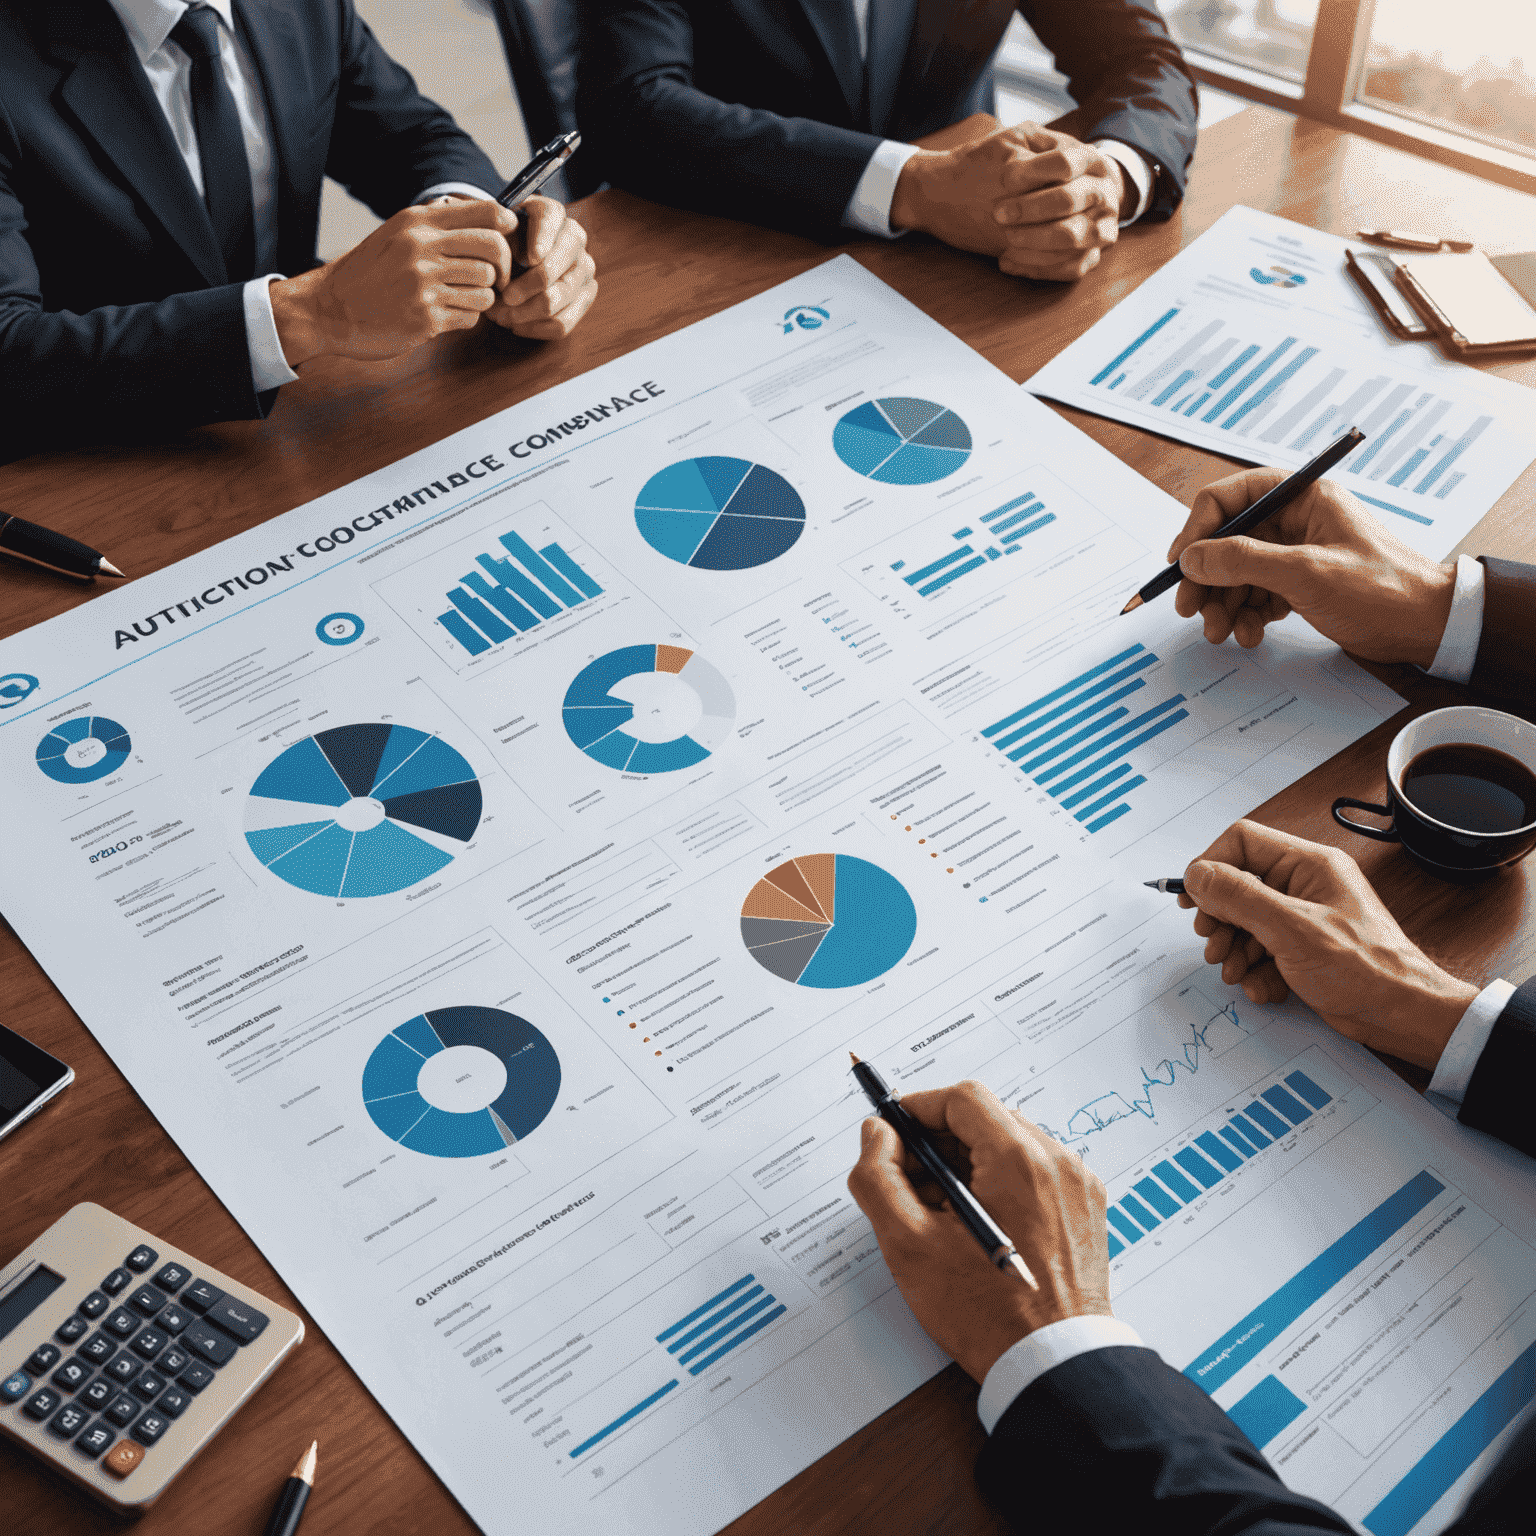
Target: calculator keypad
{"x": 177, "y": 1331}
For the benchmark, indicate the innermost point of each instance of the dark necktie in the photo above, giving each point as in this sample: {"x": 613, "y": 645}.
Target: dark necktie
{"x": 220, "y": 143}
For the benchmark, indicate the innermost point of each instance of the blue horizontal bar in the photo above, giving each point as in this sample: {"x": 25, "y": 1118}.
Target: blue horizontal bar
{"x": 1008, "y": 506}
{"x": 1288, "y": 1104}
{"x": 727, "y": 1328}
{"x": 1052, "y": 715}
{"x": 1198, "y": 403}
{"x": 1268, "y": 1119}
{"x": 1091, "y": 729}
{"x": 1230, "y": 1133}
{"x": 1456, "y": 1450}
{"x": 1039, "y": 522}
{"x": 1123, "y": 1223}
{"x": 735, "y": 1304}
{"x": 1128, "y": 746}
{"x": 1231, "y": 368}
{"x": 1018, "y": 517}
{"x": 1176, "y": 1181}
{"x": 1157, "y": 1197}
{"x": 1109, "y": 816}
{"x": 1262, "y": 1326}
{"x": 1146, "y": 335}
{"x": 1066, "y": 688}
{"x": 709, "y": 1306}
{"x": 465, "y": 633}
{"x": 1138, "y": 1212}
{"x": 1246, "y": 1128}
{"x": 938, "y": 565}
{"x": 1116, "y": 383}
{"x": 1175, "y": 387}
{"x": 949, "y": 576}
{"x": 1114, "y": 794}
{"x": 1266, "y": 1410}
{"x": 1258, "y": 397}
{"x": 1116, "y": 1247}
{"x": 1309, "y": 1090}
{"x": 624, "y": 1418}
{"x": 962, "y": 533}
{"x": 1386, "y": 506}
{"x": 1144, "y": 718}
{"x": 1095, "y": 787}
{"x": 1217, "y": 1150}
{"x": 1204, "y": 1170}
{"x": 741, "y": 1338}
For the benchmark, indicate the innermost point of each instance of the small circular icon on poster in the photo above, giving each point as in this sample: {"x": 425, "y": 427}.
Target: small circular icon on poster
{"x": 339, "y": 628}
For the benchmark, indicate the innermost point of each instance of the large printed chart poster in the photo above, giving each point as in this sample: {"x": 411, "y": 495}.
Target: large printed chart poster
{"x": 512, "y": 845}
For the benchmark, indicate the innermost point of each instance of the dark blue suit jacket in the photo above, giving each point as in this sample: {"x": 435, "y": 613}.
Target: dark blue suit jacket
{"x": 756, "y": 109}
{"x": 117, "y": 318}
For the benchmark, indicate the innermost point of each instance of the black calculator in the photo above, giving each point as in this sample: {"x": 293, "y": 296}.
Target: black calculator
{"x": 121, "y": 1356}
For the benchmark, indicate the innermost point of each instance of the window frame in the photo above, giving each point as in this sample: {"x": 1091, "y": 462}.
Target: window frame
{"x": 1335, "y": 66}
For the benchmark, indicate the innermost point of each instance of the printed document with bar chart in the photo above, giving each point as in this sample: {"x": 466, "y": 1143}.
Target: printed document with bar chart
{"x": 1254, "y": 342}
{"x": 490, "y": 865}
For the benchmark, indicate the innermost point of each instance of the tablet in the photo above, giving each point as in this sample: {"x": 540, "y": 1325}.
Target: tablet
{"x": 1475, "y": 303}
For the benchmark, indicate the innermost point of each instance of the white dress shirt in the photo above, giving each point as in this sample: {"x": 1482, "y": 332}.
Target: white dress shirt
{"x": 1028, "y": 1360}
{"x": 869, "y": 209}
{"x": 149, "y": 24}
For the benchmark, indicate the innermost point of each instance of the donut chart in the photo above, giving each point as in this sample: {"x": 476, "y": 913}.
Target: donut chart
{"x": 719, "y": 514}
{"x": 828, "y": 920}
{"x": 649, "y": 709}
{"x": 84, "y": 749}
{"x": 362, "y": 810}
{"x": 461, "y": 1082}
{"x": 901, "y": 440}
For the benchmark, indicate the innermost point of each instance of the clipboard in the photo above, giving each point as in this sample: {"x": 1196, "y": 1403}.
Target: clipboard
{"x": 1475, "y": 303}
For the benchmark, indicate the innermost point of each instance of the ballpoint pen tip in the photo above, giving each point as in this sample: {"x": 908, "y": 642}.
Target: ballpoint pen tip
{"x": 854, "y": 1059}
{"x": 305, "y": 1471}
{"x": 1150, "y": 884}
{"x": 108, "y": 569}
{"x": 1131, "y": 606}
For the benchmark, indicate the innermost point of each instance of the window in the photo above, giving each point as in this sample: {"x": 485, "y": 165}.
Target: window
{"x": 1467, "y": 66}
{"x": 1274, "y": 36}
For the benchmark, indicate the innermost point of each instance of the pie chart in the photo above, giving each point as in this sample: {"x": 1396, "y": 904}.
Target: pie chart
{"x": 80, "y": 750}
{"x": 719, "y": 514}
{"x": 362, "y": 810}
{"x": 460, "y": 1082}
{"x": 649, "y": 709}
{"x": 902, "y": 441}
{"x": 828, "y": 920}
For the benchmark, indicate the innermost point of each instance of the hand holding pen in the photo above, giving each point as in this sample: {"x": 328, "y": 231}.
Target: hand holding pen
{"x": 1043, "y": 1196}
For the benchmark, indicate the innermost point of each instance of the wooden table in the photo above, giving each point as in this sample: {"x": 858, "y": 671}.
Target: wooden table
{"x": 910, "y": 1471}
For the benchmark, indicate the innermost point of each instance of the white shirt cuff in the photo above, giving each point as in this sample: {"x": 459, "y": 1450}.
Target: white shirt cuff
{"x": 1459, "y": 1059}
{"x": 1464, "y": 629}
{"x": 1041, "y": 1351}
{"x": 269, "y": 368}
{"x": 869, "y": 209}
{"x": 463, "y": 188}
{"x": 1135, "y": 166}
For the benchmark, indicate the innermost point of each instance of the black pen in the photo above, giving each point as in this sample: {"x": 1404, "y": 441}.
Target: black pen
{"x": 538, "y": 170}
{"x": 55, "y": 551}
{"x": 1172, "y": 886}
{"x": 966, "y": 1206}
{"x": 289, "y": 1509}
{"x": 1263, "y": 509}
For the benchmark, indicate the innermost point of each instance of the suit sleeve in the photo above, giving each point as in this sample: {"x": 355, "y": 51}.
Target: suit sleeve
{"x": 655, "y": 134}
{"x": 1135, "y": 1446}
{"x": 1498, "y": 1097}
{"x": 1129, "y": 80}
{"x": 116, "y": 373}
{"x": 389, "y": 143}
{"x": 1506, "y": 652}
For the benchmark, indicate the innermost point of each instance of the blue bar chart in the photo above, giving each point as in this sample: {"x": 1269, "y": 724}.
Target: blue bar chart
{"x": 723, "y": 1323}
{"x": 1213, "y": 1154}
{"x": 513, "y": 593}
{"x": 997, "y": 534}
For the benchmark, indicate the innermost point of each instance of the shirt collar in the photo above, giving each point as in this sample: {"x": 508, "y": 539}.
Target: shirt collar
{"x": 149, "y": 23}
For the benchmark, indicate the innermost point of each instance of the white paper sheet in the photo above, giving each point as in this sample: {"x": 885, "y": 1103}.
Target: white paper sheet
{"x": 485, "y": 896}
{"x": 1255, "y": 342}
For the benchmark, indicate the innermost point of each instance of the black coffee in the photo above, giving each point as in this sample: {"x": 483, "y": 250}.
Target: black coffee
{"x": 1475, "y": 788}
